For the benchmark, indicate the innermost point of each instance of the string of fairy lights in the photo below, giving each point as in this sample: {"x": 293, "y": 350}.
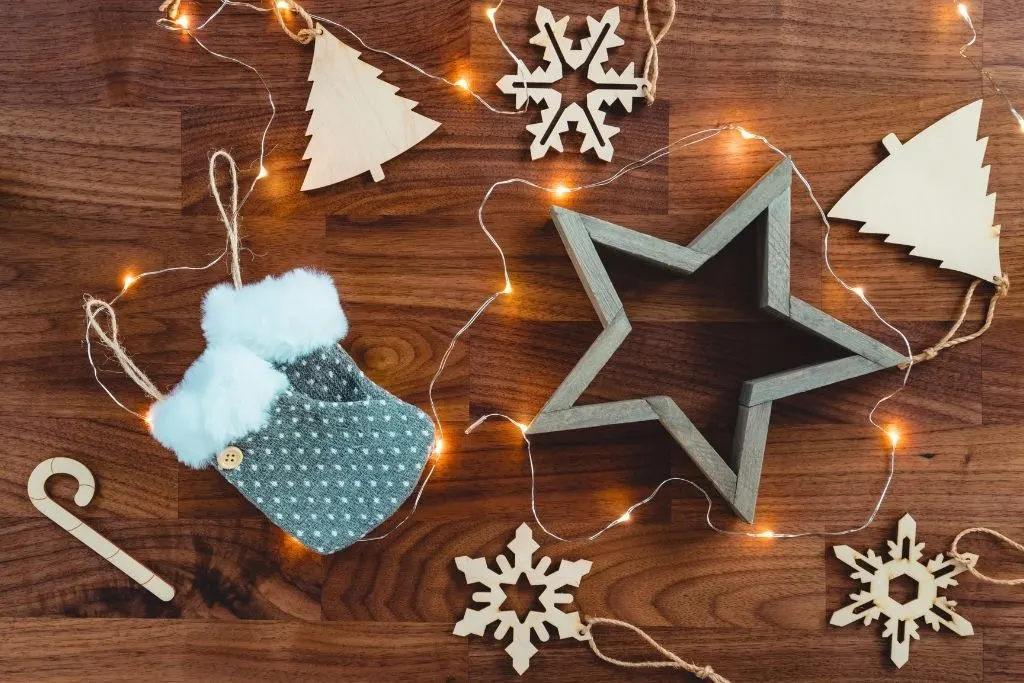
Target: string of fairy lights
{"x": 183, "y": 24}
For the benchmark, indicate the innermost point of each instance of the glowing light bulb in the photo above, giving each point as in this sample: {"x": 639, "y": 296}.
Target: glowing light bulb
{"x": 766, "y": 534}
{"x": 893, "y": 434}
{"x": 746, "y": 134}
{"x": 263, "y": 173}
{"x": 508, "y": 288}
{"x": 149, "y": 418}
{"x": 438, "y": 447}
{"x": 129, "y": 280}
{"x": 462, "y": 83}
{"x": 859, "y": 291}
{"x": 182, "y": 22}
{"x": 962, "y": 9}
{"x": 561, "y": 191}
{"x": 521, "y": 426}
{"x": 283, "y": 4}
{"x": 623, "y": 518}
{"x": 491, "y": 11}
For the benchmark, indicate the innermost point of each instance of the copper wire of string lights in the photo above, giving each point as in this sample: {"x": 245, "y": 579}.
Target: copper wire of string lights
{"x": 965, "y": 14}
{"x": 181, "y": 24}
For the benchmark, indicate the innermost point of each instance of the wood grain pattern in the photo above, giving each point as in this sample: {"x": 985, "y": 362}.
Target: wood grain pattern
{"x": 104, "y": 141}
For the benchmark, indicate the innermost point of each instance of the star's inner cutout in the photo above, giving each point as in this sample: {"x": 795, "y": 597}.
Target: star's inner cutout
{"x": 738, "y": 479}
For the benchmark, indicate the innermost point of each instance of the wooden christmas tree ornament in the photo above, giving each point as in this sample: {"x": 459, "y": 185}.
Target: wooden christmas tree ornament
{"x": 82, "y": 531}
{"x": 901, "y": 618}
{"x": 767, "y": 205}
{"x": 931, "y": 193}
{"x": 358, "y": 120}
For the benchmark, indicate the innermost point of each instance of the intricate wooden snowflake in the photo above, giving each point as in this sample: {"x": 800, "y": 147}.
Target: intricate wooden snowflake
{"x": 560, "y": 55}
{"x": 901, "y": 623}
{"x": 476, "y": 621}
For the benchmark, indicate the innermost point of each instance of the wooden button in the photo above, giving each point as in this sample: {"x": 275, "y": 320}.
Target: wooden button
{"x": 230, "y": 458}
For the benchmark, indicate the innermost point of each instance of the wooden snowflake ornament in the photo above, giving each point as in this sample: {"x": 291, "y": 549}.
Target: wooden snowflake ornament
{"x": 560, "y": 56}
{"x": 901, "y": 618}
{"x": 476, "y": 621}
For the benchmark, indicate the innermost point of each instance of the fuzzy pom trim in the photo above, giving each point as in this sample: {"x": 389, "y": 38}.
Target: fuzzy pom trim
{"x": 279, "y": 318}
{"x": 224, "y": 395}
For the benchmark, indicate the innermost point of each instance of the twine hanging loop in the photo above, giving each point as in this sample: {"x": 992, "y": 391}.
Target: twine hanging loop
{"x": 971, "y": 560}
{"x": 1002, "y": 285}
{"x": 671, "y": 661}
{"x": 304, "y": 36}
{"x": 651, "y": 70}
{"x": 229, "y": 218}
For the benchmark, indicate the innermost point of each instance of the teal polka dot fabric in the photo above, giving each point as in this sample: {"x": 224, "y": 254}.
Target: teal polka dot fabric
{"x": 338, "y": 455}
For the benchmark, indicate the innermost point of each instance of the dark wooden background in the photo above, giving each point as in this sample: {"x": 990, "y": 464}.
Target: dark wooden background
{"x": 106, "y": 124}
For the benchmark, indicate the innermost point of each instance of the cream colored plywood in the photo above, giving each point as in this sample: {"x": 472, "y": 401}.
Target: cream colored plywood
{"x": 930, "y": 193}
{"x": 82, "y": 531}
{"x": 359, "y": 121}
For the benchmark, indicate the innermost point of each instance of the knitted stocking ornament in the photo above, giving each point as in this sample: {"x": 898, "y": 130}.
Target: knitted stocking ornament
{"x": 287, "y": 417}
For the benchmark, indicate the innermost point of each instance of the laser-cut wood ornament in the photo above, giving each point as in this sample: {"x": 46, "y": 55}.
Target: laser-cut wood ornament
{"x": 521, "y": 649}
{"x": 930, "y": 193}
{"x": 358, "y": 120}
{"x": 901, "y": 618}
{"x": 560, "y": 55}
{"x": 738, "y": 478}
{"x": 91, "y": 538}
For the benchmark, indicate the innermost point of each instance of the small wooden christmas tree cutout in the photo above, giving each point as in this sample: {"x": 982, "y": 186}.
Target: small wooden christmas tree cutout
{"x": 358, "y": 120}
{"x": 930, "y": 193}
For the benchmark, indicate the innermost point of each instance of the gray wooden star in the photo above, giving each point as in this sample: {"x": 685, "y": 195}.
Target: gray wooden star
{"x": 737, "y": 480}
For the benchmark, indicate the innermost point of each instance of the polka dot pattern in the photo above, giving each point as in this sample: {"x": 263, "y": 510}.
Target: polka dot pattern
{"x": 338, "y": 455}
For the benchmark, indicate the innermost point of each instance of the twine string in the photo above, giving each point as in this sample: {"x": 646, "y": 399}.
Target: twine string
{"x": 93, "y": 308}
{"x": 671, "y": 661}
{"x": 651, "y": 63}
{"x": 1002, "y": 290}
{"x": 304, "y": 36}
{"x": 230, "y": 219}
{"x": 971, "y": 560}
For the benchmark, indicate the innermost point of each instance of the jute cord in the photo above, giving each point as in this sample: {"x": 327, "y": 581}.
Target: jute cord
{"x": 651, "y": 63}
{"x": 671, "y": 661}
{"x": 971, "y": 560}
{"x": 95, "y": 307}
{"x": 304, "y": 36}
{"x": 1002, "y": 285}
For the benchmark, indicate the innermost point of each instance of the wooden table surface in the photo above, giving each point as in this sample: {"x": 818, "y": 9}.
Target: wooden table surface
{"x": 107, "y": 123}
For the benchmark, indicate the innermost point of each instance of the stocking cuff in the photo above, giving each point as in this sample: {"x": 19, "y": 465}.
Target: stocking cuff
{"x": 226, "y": 394}
{"x": 278, "y": 318}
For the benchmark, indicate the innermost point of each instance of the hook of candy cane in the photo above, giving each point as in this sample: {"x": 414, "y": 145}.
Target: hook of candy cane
{"x": 82, "y": 531}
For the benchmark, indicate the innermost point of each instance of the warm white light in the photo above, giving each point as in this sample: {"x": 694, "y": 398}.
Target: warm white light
{"x": 182, "y": 22}
{"x": 438, "y": 446}
{"x": 491, "y": 11}
{"x": 462, "y": 83}
{"x": 508, "y": 288}
{"x": 766, "y": 534}
{"x": 521, "y": 426}
{"x": 561, "y": 191}
{"x": 859, "y": 291}
{"x": 283, "y": 4}
{"x": 745, "y": 134}
{"x": 623, "y": 518}
{"x": 962, "y": 9}
{"x": 263, "y": 173}
{"x": 149, "y": 418}
{"x": 129, "y": 280}
{"x": 894, "y": 435}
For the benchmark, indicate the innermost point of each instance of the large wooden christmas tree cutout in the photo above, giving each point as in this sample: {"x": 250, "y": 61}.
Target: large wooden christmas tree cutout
{"x": 931, "y": 193}
{"x": 358, "y": 120}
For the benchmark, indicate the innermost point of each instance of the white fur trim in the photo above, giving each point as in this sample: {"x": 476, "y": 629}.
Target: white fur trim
{"x": 224, "y": 395}
{"x": 278, "y": 318}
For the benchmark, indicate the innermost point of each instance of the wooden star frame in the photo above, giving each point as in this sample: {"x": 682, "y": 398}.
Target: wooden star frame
{"x": 766, "y": 204}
